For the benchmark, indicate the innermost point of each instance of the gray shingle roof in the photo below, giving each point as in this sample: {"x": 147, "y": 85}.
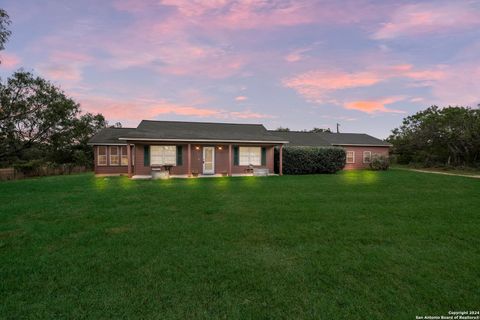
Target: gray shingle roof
{"x": 321, "y": 139}
{"x": 352, "y": 139}
{"x": 304, "y": 139}
{"x": 110, "y": 136}
{"x": 179, "y": 130}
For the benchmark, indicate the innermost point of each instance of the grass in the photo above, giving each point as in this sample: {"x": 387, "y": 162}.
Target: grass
{"x": 361, "y": 245}
{"x": 459, "y": 170}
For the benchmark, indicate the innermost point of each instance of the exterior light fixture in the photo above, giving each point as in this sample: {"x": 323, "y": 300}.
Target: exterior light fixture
{"x": 197, "y": 148}
{"x": 220, "y": 148}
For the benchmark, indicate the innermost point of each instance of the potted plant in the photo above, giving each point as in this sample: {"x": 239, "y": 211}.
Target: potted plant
{"x": 224, "y": 173}
{"x": 195, "y": 173}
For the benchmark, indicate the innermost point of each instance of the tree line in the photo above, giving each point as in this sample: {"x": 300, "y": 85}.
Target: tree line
{"x": 439, "y": 136}
{"x": 39, "y": 123}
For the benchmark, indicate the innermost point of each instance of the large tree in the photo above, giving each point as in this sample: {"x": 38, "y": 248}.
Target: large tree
{"x": 447, "y": 136}
{"x": 35, "y": 115}
{"x": 4, "y": 31}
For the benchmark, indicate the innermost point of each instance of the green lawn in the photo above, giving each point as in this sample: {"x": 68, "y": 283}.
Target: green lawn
{"x": 356, "y": 245}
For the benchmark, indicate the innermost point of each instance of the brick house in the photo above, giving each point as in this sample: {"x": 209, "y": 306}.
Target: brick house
{"x": 185, "y": 148}
{"x": 205, "y": 148}
{"x": 359, "y": 147}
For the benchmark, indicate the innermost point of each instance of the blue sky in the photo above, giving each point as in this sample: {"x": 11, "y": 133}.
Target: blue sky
{"x": 297, "y": 64}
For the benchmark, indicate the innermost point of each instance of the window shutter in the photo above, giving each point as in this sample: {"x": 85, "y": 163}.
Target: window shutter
{"x": 235, "y": 156}
{"x": 179, "y": 156}
{"x": 264, "y": 156}
{"x": 146, "y": 156}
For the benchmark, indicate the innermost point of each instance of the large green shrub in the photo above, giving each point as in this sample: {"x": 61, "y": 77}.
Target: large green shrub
{"x": 379, "y": 162}
{"x": 309, "y": 160}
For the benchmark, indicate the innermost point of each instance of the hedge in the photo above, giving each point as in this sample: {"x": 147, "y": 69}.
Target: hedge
{"x": 310, "y": 160}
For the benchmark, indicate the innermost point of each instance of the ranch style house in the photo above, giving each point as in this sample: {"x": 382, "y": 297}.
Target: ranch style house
{"x": 205, "y": 148}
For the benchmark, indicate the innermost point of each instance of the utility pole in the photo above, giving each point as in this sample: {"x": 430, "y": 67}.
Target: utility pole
{"x": 338, "y": 126}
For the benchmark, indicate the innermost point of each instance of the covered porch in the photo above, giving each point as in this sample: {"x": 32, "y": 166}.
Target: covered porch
{"x": 187, "y": 159}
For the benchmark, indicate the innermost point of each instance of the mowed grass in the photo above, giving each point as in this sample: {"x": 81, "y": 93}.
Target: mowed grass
{"x": 355, "y": 245}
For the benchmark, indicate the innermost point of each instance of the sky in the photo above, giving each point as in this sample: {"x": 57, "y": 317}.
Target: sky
{"x": 292, "y": 63}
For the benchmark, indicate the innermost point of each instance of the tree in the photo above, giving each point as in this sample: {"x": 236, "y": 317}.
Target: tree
{"x": 448, "y": 136}
{"x": 37, "y": 115}
{"x": 4, "y": 31}
{"x": 317, "y": 130}
{"x": 282, "y": 129}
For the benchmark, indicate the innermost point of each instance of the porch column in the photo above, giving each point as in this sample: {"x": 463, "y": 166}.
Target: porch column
{"x": 280, "y": 164}
{"x": 189, "y": 160}
{"x": 230, "y": 160}
{"x": 129, "y": 158}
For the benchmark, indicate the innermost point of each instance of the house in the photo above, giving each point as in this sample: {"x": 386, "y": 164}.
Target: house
{"x": 185, "y": 148}
{"x": 206, "y": 148}
{"x": 359, "y": 146}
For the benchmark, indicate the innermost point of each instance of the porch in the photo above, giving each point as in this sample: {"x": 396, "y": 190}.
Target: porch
{"x": 185, "y": 159}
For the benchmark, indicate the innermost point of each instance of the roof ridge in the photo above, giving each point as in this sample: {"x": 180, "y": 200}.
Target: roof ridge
{"x": 206, "y": 122}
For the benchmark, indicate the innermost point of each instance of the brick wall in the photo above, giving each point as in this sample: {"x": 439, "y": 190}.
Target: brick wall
{"x": 221, "y": 160}
{"x": 359, "y": 164}
{"x": 107, "y": 169}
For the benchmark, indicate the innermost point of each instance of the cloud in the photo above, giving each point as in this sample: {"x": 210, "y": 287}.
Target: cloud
{"x": 315, "y": 86}
{"x": 241, "y": 98}
{"x": 9, "y": 61}
{"x": 319, "y": 86}
{"x": 65, "y": 66}
{"x": 133, "y": 111}
{"x": 373, "y": 106}
{"x": 459, "y": 86}
{"x": 296, "y": 55}
{"x": 424, "y": 18}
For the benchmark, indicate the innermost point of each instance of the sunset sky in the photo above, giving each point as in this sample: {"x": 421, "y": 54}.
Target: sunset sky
{"x": 297, "y": 64}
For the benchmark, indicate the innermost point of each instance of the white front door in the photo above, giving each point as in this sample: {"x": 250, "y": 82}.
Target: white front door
{"x": 208, "y": 160}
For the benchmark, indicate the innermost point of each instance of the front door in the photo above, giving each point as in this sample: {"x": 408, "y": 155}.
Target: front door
{"x": 208, "y": 160}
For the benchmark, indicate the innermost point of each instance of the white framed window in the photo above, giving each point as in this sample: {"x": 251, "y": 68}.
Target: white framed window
{"x": 350, "y": 156}
{"x": 367, "y": 156}
{"x": 114, "y": 156}
{"x": 163, "y": 155}
{"x": 102, "y": 156}
{"x": 123, "y": 156}
{"x": 250, "y": 156}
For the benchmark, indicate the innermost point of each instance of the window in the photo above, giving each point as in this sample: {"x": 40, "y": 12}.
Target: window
{"x": 163, "y": 155}
{"x": 250, "y": 156}
{"x": 123, "y": 156}
{"x": 350, "y": 156}
{"x": 102, "y": 156}
{"x": 114, "y": 156}
{"x": 367, "y": 156}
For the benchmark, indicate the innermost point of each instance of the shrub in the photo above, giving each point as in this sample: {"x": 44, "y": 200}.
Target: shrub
{"x": 379, "y": 162}
{"x": 310, "y": 160}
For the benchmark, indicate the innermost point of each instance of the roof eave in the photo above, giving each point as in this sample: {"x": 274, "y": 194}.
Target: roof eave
{"x": 204, "y": 140}
{"x": 362, "y": 144}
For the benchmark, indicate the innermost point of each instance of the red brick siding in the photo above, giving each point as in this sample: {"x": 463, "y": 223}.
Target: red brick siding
{"x": 359, "y": 155}
{"x": 107, "y": 169}
{"x": 221, "y": 160}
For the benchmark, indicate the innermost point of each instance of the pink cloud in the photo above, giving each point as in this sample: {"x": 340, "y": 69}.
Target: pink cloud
{"x": 9, "y": 60}
{"x": 296, "y": 55}
{"x": 132, "y": 111}
{"x": 373, "y": 106}
{"x": 423, "y": 18}
{"x": 249, "y": 115}
{"x": 65, "y": 66}
{"x": 63, "y": 72}
{"x": 241, "y": 98}
{"x": 459, "y": 86}
{"x": 316, "y": 85}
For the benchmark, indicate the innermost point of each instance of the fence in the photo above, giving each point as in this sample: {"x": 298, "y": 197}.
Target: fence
{"x": 15, "y": 174}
